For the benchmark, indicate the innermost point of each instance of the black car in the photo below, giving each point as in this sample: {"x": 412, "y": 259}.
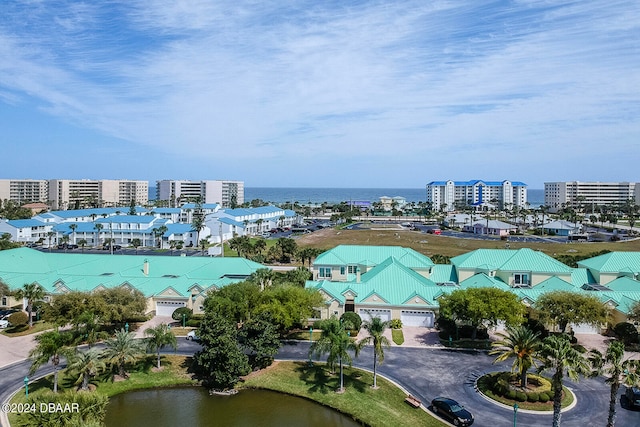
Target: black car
{"x": 633, "y": 395}
{"x": 452, "y": 411}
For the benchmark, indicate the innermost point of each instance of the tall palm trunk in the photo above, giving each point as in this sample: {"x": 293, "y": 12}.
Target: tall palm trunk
{"x": 612, "y": 404}
{"x": 557, "y": 396}
{"x": 55, "y": 378}
{"x": 341, "y": 377}
{"x": 375, "y": 365}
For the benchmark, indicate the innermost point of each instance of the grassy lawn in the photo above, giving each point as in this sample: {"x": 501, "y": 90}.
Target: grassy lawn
{"x": 382, "y": 407}
{"x": 173, "y": 373}
{"x": 430, "y": 244}
{"x": 397, "y": 336}
{"x": 303, "y": 335}
{"x": 24, "y": 330}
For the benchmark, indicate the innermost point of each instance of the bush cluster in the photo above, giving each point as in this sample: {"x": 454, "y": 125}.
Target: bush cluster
{"x": 19, "y": 318}
{"x": 499, "y": 385}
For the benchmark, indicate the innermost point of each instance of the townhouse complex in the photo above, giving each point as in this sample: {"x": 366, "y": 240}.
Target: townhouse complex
{"x": 451, "y": 195}
{"x": 163, "y": 228}
{"x": 389, "y": 282}
{"x": 400, "y": 283}
{"x": 576, "y": 193}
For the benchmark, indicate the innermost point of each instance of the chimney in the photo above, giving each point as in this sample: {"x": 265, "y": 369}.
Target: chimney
{"x": 145, "y": 267}
{"x": 357, "y": 274}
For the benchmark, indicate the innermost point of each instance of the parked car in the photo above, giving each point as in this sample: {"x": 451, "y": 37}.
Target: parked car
{"x": 4, "y": 323}
{"x": 452, "y": 411}
{"x": 108, "y": 247}
{"x": 191, "y": 336}
{"x": 633, "y": 395}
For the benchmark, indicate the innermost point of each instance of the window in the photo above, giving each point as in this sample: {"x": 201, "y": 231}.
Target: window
{"x": 521, "y": 279}
{"x": 352, "y": 269}
{"x": 342, "y": 270}
{"x": 324, "y": 272}
{"x": 4, "y": 301}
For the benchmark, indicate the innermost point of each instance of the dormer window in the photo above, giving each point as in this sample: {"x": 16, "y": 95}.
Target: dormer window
{"x": 521, "y": 279}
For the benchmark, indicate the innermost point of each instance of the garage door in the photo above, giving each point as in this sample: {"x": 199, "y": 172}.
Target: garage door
{"x": 368, "y": 313}
{"x": 166, "y": 308}
{"x": 417, "y": 318}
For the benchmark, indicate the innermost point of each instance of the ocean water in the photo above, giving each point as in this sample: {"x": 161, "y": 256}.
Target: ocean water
{"x": 337, "y": 195}
{"x": 279, "y": 195}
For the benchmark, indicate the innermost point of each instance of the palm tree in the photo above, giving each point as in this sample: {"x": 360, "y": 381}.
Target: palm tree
{"x": 73, "y": 230}
{"x": 136, "y": 243}
{"x": 50, "y": 235}
{"x": 158, "y": 337}
{"x": 50, "y": 346}
{"x": 264, "y": 277}
{"x": 520, "y": 343}
{"x": 98, "y": 227}
{"x": 82, "y": 243}
{"x": 375, "y": 327}
{"x": 32, "y": 292}
{"x": 559, "y": 356}
{"x": 618, "y": 371}
{"x": 122, "y": 349}
{"x": 88, "y": 364}
{"x": 335, "y": 342}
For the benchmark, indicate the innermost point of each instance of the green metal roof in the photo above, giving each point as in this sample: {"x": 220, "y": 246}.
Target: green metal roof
{"x": 86, "y": 272}
{"x": 373, "y": 255}
{"x": 614, "y": 262}
{"x": 524, "y": 259}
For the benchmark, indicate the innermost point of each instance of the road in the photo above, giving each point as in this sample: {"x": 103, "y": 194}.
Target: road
{"x": 427, "y": 373}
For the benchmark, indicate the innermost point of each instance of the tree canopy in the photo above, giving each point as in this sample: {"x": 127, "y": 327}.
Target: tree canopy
{"x": 564, "y": 307}
{"x": 482, "y": 307}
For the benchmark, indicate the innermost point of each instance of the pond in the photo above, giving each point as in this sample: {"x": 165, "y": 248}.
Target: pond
{"x": 193, "y": 406}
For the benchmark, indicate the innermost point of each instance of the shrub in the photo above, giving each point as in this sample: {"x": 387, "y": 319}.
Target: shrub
{"x": 395, "y": 324}
{"x": 521, "y": 396}
{"x": 627, "y": 332}
{"x": 352, "y": 318}
{"x": 178, "y": 312}
{"x": 533, "y": 397}
{"x": 543, "y": 397}
{"x": 194, "y": 323}
{"x": 19, "y": 318}
{"x": 445, "y": 325}
{"x": 511, "y": 394}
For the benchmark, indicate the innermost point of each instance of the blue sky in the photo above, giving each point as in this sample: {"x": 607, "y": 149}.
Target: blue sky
{"x": 321, "y": 93}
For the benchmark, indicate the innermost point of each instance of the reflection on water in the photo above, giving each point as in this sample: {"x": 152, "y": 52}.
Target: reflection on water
{"x": 187, "y": 407}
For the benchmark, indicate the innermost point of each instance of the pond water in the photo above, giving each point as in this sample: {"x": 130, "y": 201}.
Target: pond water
{"x": 193, "y": 406}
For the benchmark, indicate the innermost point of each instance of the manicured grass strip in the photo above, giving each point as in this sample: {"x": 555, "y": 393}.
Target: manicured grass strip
{"x": 397, "y": 336}
{"x": 24, "y": 330}
{"x": 174, "y": 373}
{"x": 382, "y": 407}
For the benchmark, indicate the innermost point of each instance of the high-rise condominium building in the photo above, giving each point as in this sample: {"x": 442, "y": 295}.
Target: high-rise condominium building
{"x": 67, "y": 193}
{"x": 576, "y": 193}
{"x": 24, "y": 190}
{"x": 225, "y": 193}
{"x": 451, "y": 195}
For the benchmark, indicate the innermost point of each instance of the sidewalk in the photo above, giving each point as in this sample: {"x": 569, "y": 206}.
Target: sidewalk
{"x": 15, "y": 349}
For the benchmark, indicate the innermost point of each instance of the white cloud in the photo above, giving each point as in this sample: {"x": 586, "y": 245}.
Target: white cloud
{"x": 245, "y": 81}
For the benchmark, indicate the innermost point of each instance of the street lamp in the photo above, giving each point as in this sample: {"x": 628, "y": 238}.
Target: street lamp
{"x": 515, "y": 414}
{"x": 310, "y": 343}
{"x": 26, "y": 386}
{"x": 183, "y": 319}
{"x": 126, "y": 327}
